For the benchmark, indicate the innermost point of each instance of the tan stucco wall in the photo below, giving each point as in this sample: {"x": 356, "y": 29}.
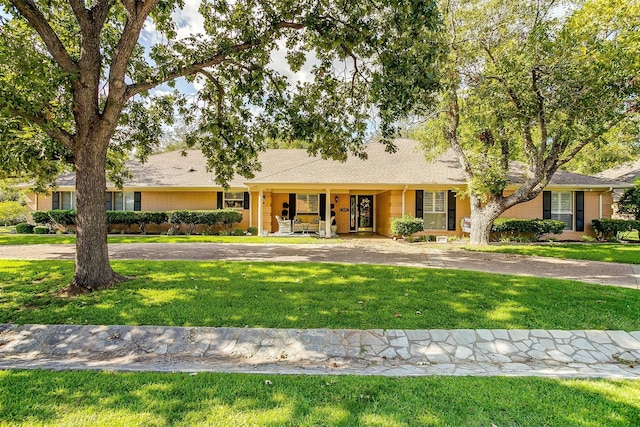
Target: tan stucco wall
{"x": 177, "y": 200}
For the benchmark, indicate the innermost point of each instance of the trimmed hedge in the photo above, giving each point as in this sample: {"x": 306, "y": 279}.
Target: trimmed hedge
{"x": 41, "y": 230}
{"x": 526, "y": 229}
{"x": 607, "y": 229}
{"x": 24, "y": 228}
{"x": 406, "y": 226}
{"x": 224, "y": 218}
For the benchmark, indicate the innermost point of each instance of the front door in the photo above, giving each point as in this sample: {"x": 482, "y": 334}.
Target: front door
{"x": 365, "y": 213}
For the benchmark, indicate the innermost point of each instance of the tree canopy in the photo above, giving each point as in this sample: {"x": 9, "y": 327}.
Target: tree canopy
{"x": 534, "y": 81}
{"x": 79, "y": 86}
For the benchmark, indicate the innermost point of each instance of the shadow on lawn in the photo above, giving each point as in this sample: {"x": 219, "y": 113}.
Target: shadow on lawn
{"x": 312, "y": 295}
{"x": 99, "y": 398}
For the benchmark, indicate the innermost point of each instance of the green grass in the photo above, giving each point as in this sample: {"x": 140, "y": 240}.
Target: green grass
{"x": 43, "y": 398}
{"x": 626, "y": 253}
{"x": 33, "y": 239}
{"x": 307, "y": 295}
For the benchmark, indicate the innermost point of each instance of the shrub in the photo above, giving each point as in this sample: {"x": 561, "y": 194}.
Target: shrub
{"x": 608, "y": 229}
{"x": 24, "y": 228}
{"x": 406, "y": 226}
{"x": 143, "y": 219}
{"x": 41, "y": 230}
{"x": 629, "y": 203}
{"x": 12, "y": 212}
{"x": 525, "y": 230}
{"x": 41, "y": 217}
{"x": 253, "y": 231}
{"x": 238, "y": 231}
{"x": 189, "y": 218}
{"x": 228, "y": 217}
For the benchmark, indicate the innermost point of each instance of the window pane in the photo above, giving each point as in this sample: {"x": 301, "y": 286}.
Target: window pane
{"x": 439, "y": 202}
{"x": 307, "y": 203}
{"x": 435, "y": 221}
{"x": 117, "y": 201}
{"x": 566, "y": 218}
{"x": 234, "y": 199}
{"x": 562, "y": 207}
{"x": 67, "y": 200}
{"x": 428, "y": 201}
{"x": 128, "y": 201}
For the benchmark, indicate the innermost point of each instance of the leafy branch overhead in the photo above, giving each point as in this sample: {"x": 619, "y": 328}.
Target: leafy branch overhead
{"x": 367, "y": 58}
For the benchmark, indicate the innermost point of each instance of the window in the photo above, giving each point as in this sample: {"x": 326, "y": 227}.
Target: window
{"x": 120, "y": 201}
{"x": 307, "y": 204}
{"x": 234, "y": 199}
{"x": 435, "y": 210}
{"x": 562, "y": 207}
{"x": 65, "y": 200}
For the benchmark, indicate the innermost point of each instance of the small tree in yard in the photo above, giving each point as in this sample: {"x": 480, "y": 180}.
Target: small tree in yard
{"x": 406, "y": 226}
{"x": 12, "y": 212}
{"x": 629, "y": 203}
{"x": 76, "y": 76}
{"x": 526, "y": 86}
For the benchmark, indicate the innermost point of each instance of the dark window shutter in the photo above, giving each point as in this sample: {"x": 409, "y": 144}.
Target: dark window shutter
{"x": 451, "y": 210}
{"x": 108, "y": 199}
{"x": 219, "y": 197}
{"x": 419, "y": 204}
{"x": 323, "y": 206}
{"x": 137, "y": 201}
{"x": 55, "y": 200}
{"x": 546, "y": 205}
{"x": 292, "y": 205}
{"x": 579, "y": 210}
{"x": 246, "y": 200}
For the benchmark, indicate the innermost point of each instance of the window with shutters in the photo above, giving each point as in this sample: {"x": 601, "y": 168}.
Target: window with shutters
{"x": 234, "y": 200}
{"x": 562, "y": 207}
{"x": 435, "y": 210}
{"x": 307, "y": 204}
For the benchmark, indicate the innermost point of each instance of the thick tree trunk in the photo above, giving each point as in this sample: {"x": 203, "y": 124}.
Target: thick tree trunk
{"x": 482, "y": 218}
{"x": 92, "y": 271}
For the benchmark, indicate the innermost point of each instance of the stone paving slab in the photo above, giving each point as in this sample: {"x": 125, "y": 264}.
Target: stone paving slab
{"x": 484, "y": 352}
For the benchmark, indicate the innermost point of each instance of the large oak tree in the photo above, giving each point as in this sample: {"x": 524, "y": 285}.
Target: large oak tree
{"x": 77, "y": 83}
{"x": 533, "y": 82}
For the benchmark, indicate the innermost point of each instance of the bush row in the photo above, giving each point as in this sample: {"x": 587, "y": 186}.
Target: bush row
{"x": 525, "y": 229}
{"x": 607, "y": 229}
{"x": 223, "y": 218}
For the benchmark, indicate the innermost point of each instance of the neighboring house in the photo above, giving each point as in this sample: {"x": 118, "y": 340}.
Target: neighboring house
{"x": 362, "y": 195}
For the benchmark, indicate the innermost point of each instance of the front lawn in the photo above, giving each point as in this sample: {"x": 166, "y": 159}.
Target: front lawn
{"x": 35, "y": 239}
{"x": 307, "y": 295}
{"x": 43, "y": 398}
{"x": 626, "y": 253}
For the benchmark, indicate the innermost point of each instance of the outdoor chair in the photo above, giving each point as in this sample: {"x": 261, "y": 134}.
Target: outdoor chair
{"x": 284, "y": 226}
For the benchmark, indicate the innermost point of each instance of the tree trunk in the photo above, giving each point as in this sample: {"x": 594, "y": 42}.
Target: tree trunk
{"x": 482, "y": 218}
{"x": 92, "y": 270}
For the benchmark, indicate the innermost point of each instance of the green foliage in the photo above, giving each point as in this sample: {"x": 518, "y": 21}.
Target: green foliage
{"x": 24, "y": 228}
{"x": 64, "y": 218}
{"x": 253, "y": 231}
{"x": 608, "y": 229}
{"x": 12, "y": 212}
{"x": 629, "y": 203}
{"x": 41, "y": 217}
{"x": 40, "y": 230}
{"x": 144, "y": 218}
{"x": 238, "y": 231}
{"x": 406, "y": 226}
{"x": 525, "y": 229}
{"x": 126, "y": 218}
{"x": 225, "y": 218}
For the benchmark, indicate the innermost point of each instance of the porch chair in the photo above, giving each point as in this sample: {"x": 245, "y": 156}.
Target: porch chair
{"x": 284, "y": 226}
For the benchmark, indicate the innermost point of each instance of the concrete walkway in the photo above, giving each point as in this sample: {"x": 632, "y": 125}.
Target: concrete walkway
{"x": 359, "y": 251}
{"x": 462, "y": 352}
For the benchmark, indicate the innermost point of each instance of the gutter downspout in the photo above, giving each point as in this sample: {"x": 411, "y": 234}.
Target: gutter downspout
{"x": 403, "y": 193}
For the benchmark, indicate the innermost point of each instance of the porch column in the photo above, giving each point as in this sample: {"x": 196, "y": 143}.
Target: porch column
{"x": 260, "y": 201}
{"x": 327, "y": 216}
{"x": 250, "y": 210}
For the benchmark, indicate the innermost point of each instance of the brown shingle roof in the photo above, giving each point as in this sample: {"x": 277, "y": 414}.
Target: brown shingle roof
{"x": 625, "y": 173}
{"x": 407, "y": 166}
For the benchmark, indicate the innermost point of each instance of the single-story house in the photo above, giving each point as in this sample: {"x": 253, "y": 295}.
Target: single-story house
{"x": 628, "y": 173}
{"x": 361, "y": 195}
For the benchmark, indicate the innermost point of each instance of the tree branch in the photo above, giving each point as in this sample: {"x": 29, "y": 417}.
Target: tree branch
{"x": 29, "y": 10}
{"x": 216, "y": 82}
{"x": 58, "y": 134}
{"x": 216, "y": 59}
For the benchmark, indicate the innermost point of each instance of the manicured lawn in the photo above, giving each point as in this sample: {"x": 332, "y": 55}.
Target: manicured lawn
{"x": 43, "y": 398}
{"x": 627, "y": 253}
{"x": 35, "y": 239}
{"x": 306, "y": 295}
